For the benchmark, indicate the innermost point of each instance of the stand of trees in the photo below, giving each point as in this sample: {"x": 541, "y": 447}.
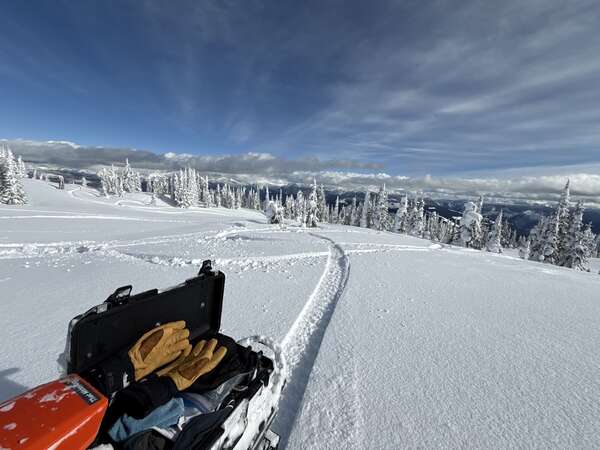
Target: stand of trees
{"x": 12, "y": 171}
{"x": 562, "y": 239}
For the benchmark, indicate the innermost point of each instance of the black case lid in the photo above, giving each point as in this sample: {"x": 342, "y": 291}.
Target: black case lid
{"x": 118, "y": 323}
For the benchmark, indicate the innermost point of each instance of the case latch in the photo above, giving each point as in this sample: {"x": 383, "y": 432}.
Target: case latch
{"x": 120, "y": 296}
{"x": 206, "y": 268}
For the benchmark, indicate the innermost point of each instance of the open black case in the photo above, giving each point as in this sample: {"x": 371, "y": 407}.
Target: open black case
{"x": 122, "y": 319}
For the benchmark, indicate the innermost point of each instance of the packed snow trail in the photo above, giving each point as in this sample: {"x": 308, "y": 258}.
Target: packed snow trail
{"x": 301, "y": 344}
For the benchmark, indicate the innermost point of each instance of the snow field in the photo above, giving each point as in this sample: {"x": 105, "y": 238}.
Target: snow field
{"x": 391, "y": 341}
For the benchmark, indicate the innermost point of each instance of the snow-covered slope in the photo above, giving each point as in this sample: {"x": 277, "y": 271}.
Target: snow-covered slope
{"x": 392, "y": 342}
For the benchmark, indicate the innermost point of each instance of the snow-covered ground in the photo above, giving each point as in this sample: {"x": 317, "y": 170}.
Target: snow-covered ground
{"x": 392, "y": 341}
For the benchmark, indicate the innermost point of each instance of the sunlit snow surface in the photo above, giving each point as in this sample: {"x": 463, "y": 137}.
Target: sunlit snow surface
{"x": 391, "y": 341}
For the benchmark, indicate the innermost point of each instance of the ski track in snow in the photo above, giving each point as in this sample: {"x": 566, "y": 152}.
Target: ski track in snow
{"x": 26, "y": 250}
{"x": 302, "y": 342}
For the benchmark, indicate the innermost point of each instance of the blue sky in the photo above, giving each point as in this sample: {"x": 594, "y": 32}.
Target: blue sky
{"x": 440, "y": 87}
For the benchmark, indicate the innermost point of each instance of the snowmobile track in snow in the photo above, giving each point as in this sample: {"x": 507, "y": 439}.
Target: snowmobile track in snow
{"x": 302, "y": 342}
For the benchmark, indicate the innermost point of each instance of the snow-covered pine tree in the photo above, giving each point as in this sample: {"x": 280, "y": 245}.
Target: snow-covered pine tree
{"x": 470, "y": 226}
{"x": 507, "y": 232}
{"x": 335, "y": 212}
{"x": 230, "y": 197}
{"x": 449, "y": 231}
{"x": 400, "y": 219}
{"x": 575, "y": 254}
{"x": 596, "y": 247}
{"x": 131, "y": 179}
{"x": 536, "y": 239}
{"x": 21, "y": 169}
{"x": 432, "y": 226}
{"x": 239, "y": 197}
{"x": 205, "y": 196}
{"x": 103, "y": 175}
{"x": 549, "y": 252}
{"x": 353, "y": 216}
{"x": 177, "y": 187}
{"x": 365, "y": 215}
{"x": 564, "y": 224}
{"x": 322, "y": 209}
{"x": 11, "y": 185}
{"x": 267, "y": 198}
{"x": 84, "y": 182}
{"x": 525, "y": 249}
{"x": 342, "y": 216}
{"x": 480, "y": 205}
{"x": 381, "y": 216}
{"x": 416, "y": 217}
{"x": 494, "y": 241}
{"x": 312, "y": 208}
{"x": 116, "y": 181}
{"x": 274, "y": 213}
{"x": 300, "y": 209}
{"x": 219, "y": 196}
{"x": 256, "y": 199}
{"x": 588, "y": 241}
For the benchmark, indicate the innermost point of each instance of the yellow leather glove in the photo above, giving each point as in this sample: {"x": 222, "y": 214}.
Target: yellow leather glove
{"x": 158, "y": 347}
{"x": 200, "y": 361}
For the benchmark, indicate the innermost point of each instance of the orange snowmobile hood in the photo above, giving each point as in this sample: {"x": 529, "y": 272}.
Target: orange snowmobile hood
{"x": 62, "y": 415}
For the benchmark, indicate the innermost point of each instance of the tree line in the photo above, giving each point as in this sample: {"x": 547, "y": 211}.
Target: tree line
{"x": 560, "y": 239}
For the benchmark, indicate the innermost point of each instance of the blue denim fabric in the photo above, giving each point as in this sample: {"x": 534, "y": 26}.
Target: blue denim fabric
{"x": 162, "y": 417}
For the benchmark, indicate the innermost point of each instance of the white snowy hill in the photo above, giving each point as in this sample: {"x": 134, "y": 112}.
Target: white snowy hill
{"x": 393, "y": 342}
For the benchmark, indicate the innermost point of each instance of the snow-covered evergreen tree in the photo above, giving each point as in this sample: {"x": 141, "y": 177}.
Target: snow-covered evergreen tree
{"x": 575, "y": 252}
{"x": 470, "y": 226}
{"x": 256, "y": 199}
{"x": 525, "y": 250}
{"x": 21, "y": 169}
{"x": 131, "y": 179}
{"x": 274, "y": 213}
{"x": 322, "y": 209}
{"x": 381, "y": 216}
{"x": 300, "y": 209}
{"x": 205, "y": 196}
{"x": 267, "y": 199}
{"x": 494, "y": 242}
{"x": 549, "y": 253}
{"x": 365, "y": 216}
{"x": 335, "y": 212}
{"x": 588, "y": 241}
{"x": 11, "y": 185}
{"x": 416, "y": 219}
{"x": 564, "y": 224}
{"x": 353, "y": 216}
{"x": 342, "y": 216}
{"x": 400, "y": 219}
{"x": 312, "y": 208}
{"x": 480, "y": 205}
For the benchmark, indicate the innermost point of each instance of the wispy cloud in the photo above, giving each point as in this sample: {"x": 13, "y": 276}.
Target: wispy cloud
{"x": 441, "y": 87}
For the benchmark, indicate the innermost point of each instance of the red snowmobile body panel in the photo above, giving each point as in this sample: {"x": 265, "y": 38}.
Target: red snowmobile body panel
{"x": 62, "y": 415}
